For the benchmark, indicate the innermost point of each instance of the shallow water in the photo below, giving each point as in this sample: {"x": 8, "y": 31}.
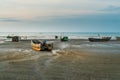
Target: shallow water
{"x": 99, "y": 47}
{"x": 73, "y": 65}
{"x": 79, "y": 61}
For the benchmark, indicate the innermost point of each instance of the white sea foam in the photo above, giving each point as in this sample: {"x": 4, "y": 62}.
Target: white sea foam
{"x": 27, "y": 51}
{"x": 55, "y": 51}
{"x": 2, "y": 42}
{"x": 98, "y": 45}
{"x": 64, "y": 45}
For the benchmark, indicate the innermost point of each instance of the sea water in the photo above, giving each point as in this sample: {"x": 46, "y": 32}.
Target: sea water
{"x": 71, "y": 35}
{"x": 20, "y": 62}
{"x": 51, "y": 35}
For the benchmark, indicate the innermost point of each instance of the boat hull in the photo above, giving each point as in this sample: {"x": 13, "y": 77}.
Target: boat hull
{"x": 104, "y": 39}
{"x": 36, "y": 46}
{"x": 118, "y": 38}
{"x": 65, "y": 38}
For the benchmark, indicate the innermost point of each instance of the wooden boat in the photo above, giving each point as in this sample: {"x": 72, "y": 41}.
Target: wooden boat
{"x": 65, "y": 38}
{"x": 118, "y": 38}
{"x": 40, "y": 46}
{"x": 103, "y": 39}
{"x": 14, "y": 38}
{"x": 35, "y": 44}
{"x": 9, "y": 36}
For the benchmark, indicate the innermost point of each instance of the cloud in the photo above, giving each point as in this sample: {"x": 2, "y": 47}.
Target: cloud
{"x": 112, "y": 8}
{"x": 79, "y": 23}
{"x": 33, "y": 8}
{"x": 61, "y": 15}
{"x": 9, "y": 20}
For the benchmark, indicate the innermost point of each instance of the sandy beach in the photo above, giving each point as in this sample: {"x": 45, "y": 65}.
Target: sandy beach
{"x": 72, "y": 60}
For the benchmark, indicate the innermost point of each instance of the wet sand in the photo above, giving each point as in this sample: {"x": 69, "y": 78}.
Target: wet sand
{"x": 19, "y": 62}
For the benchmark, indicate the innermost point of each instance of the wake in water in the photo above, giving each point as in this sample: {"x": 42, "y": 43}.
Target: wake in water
{"x": 15, "y": 55}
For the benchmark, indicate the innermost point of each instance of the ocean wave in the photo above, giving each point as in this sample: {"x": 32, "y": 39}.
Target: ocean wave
{"x": 98, "y": 45}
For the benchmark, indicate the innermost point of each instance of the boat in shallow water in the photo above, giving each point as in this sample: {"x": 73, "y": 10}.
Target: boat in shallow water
{"x": 65, "y": 38}
{"x": 118, "y": 38}
{"x": 40, "y": 46}
{"x": 102, "y": 39}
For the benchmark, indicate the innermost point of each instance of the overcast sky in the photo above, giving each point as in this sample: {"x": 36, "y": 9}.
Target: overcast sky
{"x": 60, "y": 15}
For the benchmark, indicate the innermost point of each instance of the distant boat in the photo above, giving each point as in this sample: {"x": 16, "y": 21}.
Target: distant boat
{"x": 65, "y": 38}
{"x": 9, "y": 36}
{"x": 103, "y": 39}
{"x": 118, "y": 38}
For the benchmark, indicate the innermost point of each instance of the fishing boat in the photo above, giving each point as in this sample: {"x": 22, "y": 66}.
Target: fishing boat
{"x": 9, "y": 36}
{"x": 65, "y": 38}
{"x": 41, "y": 46}
{"x": 102, "y": 39}
{"x": 118, "y": 38}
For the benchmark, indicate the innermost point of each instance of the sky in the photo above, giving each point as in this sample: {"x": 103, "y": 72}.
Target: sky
{"x": 60, "y": 16}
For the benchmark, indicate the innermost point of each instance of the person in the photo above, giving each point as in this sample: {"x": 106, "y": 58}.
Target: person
{"x": 44, "y": 45}
{"x": 56, "y": 37}
{"x": 44, "y": 42}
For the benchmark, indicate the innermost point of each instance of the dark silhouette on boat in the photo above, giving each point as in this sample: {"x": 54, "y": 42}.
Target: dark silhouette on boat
{"x": 103, "y": 39}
